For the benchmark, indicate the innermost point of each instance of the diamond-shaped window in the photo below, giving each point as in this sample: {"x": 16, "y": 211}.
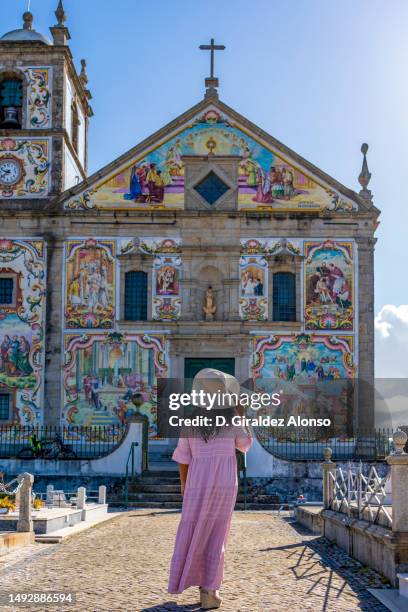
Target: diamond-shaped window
{"x": 211, "y": 188}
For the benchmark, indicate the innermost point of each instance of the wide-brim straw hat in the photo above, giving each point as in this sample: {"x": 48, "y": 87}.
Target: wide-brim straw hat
{"x": 211, "y": 380}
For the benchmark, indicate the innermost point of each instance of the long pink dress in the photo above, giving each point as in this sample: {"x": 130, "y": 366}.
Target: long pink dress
{"x": 209, "y": 500}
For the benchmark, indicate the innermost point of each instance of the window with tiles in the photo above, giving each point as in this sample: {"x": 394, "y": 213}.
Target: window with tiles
{"x": 6, "y": 291}
{"x": 136, "y": 296}
{"x": 4, "y": 407}
{"x": 284, "y": 296}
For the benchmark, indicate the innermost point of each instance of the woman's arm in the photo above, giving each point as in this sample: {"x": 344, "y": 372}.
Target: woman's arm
{"x": 243, "y": 434}
{"x": 183, "y": 469}
{"x": 183, "y": 456}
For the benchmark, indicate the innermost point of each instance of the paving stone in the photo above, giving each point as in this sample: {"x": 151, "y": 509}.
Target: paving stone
{"x": 272, "y": 565}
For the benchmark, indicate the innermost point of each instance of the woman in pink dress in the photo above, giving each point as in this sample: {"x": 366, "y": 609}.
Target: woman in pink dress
{"x": 209, "y": 483}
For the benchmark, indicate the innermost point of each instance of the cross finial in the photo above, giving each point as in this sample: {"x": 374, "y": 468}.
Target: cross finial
{"x": 83, "y": 76}
{"x": 28, "y": 20}
{"x": 60, "y": 14}
{"x": 59, "y": 31}
{"x": 365, "y": 175}
{"x": 211, "y": 82}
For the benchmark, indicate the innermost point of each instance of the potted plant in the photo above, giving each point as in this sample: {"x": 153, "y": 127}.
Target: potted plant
{"x": 7, "y": 505}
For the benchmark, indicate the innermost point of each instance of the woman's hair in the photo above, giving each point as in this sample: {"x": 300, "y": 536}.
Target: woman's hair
{"x": 211, "y": 430}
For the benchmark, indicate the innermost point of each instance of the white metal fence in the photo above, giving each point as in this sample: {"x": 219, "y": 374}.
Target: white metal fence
{"x": 361, "y": 496}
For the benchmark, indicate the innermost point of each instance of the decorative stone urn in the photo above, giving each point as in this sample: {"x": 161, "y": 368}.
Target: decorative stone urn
{"x": 400, "y": 439}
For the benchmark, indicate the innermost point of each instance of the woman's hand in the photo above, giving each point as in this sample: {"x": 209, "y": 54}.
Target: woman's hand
{"x": 183, "y": 469}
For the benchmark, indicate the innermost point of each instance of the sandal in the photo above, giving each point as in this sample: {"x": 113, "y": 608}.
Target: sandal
{"x": 209, "y": 600}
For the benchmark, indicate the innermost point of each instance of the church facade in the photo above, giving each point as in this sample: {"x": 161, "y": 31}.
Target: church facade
{"x": 210, "y": 243}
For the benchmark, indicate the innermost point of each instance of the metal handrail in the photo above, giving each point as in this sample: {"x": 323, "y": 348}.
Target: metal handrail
{"x": 131, "y": 460}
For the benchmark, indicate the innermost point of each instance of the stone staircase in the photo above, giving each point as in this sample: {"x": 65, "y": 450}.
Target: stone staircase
{"x": 156, "y": 489}
{"x": 160, "y": 488}
{"x": 160, "y": 460}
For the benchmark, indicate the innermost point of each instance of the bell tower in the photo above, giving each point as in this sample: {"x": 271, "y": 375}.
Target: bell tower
{"x": 44, "y": 115}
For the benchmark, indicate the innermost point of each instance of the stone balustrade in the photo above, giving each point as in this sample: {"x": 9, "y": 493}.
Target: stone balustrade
{"x": 357, "y": 529}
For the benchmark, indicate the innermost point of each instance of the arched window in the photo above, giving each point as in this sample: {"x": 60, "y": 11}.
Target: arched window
{"x": 284, "y": 296}
{"x": 136, "y": 296}
{"x": 74, "y": 125}
{"x": 11, "y": 103}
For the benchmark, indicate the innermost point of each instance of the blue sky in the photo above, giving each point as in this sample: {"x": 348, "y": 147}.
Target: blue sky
{"x": 320, "y": 76}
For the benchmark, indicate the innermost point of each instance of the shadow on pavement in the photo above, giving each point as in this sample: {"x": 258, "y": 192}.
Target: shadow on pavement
{"x": 153, "y": 513}
{"x": 298, "y": 527}
{"x": 316, "y": 561}
{"x": 172, "y": 606}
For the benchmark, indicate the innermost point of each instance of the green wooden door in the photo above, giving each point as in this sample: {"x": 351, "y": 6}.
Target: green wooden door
{"x": 192, "y": 365}
{"x": 195, "y": 364}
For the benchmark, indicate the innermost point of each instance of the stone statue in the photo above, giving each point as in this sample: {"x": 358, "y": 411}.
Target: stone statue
{"x": 209, "y": 307}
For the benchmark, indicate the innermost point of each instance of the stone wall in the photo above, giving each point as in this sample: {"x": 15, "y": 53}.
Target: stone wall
{"x": 208, "y": 242}
{"x": 373, "y": 545}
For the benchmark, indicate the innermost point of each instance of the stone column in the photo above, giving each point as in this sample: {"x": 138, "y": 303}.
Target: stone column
{"x": 102, "y": 495}
{"x": 398, "y": 461}
{"x": 187, "y": 288}
{"x": 328, "y": 467}
{"x": 52, "y": 341}
{"x": 232, "y": 285}
{"x": 365, "y": 385}
{"x": 50, "y": 495}
{"x": 25, "y": 522}
{"x": 81, "y": 498}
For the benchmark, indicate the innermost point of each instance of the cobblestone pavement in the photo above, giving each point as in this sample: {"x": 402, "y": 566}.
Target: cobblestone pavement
{"x": 271, "y": 566}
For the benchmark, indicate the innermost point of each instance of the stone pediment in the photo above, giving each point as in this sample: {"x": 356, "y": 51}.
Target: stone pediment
{"x": 269, "y": 176}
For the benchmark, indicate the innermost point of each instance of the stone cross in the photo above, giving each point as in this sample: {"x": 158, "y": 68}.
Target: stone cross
{"x": 212, "y": 47}
{"x": 25, "y": 522}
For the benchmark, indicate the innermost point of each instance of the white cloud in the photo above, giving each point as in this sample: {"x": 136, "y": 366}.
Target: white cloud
{"x": 391, "y": 342}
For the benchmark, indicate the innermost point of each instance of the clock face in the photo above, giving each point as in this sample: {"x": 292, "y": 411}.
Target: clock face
{"x": 10, "y": 171}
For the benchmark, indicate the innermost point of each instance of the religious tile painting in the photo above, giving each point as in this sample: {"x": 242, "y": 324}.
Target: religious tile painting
{"x": 38, "y": 97}
{"x": 329, "y": 285}
{"x": 103, "y": 371}
{"x": 90, "y": 283}
{"x": 253, "y": 301}
{"x": 267, "y": 179}
{"x": 22, "y": 322}
{"x": 166, "y": 301}
{"x": 24, "y": 167}
{"x": 311, "y": 372}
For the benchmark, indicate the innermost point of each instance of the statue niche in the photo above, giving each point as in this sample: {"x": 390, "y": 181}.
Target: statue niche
{"x": 210, "y": 307}
{"x": 209, "y": 293}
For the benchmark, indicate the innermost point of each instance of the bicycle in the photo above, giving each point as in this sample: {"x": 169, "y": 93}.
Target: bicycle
{"x": 47, "y": 449}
